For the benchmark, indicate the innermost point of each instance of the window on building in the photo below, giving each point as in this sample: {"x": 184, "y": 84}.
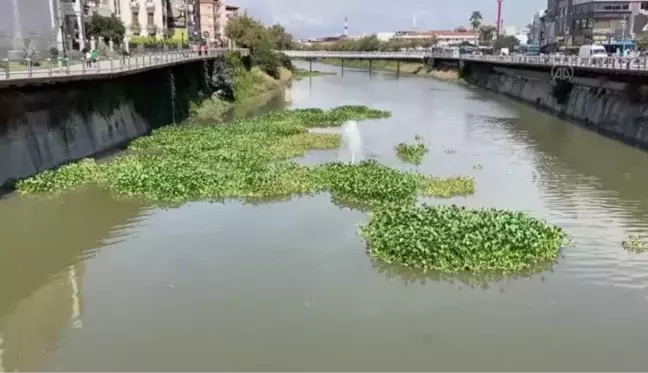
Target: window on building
{"x": 644, "y": 5}
{"x": 135, "y": 18}
{"x": 150, "y": 17}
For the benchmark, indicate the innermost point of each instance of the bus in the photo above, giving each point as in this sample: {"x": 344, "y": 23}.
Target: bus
{"x": 529, "y": 49}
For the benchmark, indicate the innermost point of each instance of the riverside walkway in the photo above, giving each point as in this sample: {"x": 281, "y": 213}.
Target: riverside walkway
{"x": 54, "y": 70}
{"x": 607, "y": 63}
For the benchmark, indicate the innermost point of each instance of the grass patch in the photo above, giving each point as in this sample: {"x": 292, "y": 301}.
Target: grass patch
{"x": 453, "y": 239}
{"x": 303, "y": 73}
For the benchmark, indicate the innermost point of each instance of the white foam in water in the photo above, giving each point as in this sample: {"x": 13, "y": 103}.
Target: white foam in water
{"x": 353, "y": 139}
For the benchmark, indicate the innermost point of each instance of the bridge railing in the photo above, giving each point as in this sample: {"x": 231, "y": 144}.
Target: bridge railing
{"x": 27, "y": 69}
{"x": 618, "y": 63}
{"x": 336, "y": 54}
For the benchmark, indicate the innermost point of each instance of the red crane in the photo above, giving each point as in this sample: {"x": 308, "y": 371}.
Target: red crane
{"x": 499, "y": 17}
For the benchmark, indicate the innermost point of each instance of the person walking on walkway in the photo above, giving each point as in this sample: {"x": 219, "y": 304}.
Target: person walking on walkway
{"x": 95, "y": 57}
{"x": 88, "y": 57}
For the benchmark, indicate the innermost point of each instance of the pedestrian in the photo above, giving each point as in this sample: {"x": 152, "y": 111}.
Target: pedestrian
{"x": 94, "y": 56}
{"x": 88, "y": 57}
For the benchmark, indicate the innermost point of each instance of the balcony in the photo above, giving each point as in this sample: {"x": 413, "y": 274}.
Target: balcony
{"x": 151, "y": 29}
{"x": 135, "y": 5}
{"x": 150, "y": 6}
{"x": 136, "y": 28}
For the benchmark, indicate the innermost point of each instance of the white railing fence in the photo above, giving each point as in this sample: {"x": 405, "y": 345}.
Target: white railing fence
{"x": 55, "y": 67}
{"x": 620, "y": 63}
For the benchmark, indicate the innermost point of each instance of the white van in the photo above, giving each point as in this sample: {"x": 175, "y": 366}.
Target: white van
{"x": 594, "y": 51}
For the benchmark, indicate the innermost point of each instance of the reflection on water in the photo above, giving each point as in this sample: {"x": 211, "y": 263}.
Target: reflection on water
{"x": 88, "y": 282}
{"x": 41, "y": 267}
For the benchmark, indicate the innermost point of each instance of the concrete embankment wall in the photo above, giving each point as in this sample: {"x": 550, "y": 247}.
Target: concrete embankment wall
{"x": 43, "y": 127}
{"x": 616, "y": 109}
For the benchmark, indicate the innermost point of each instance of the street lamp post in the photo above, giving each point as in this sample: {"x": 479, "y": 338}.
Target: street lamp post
{"x": 623, "y": 29}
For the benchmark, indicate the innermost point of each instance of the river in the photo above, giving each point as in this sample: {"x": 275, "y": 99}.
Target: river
{"x": 89, "y": 282}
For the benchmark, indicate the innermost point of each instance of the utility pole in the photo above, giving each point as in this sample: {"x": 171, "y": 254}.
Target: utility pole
{"x": 623, "y": 29}
{"x": 61, "y": 22}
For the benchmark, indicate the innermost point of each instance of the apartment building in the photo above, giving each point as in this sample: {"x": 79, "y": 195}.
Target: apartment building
{"x": 231, "y": 11}
{"x": 606, "y": 22}
{"x": 214, "y": 15}
{"x": 212, "y": 20}
{"x": 578, "y": 22}
{"x": 144, "y": 17}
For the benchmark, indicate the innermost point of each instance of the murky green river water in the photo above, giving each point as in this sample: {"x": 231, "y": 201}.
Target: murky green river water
{"x": 88, "y": 282}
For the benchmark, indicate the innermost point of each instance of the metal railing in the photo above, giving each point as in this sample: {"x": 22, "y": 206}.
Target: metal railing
{"x": 374, "y": 55}
{"x": 62, "y": 67}
{"x": 617, "y": 63}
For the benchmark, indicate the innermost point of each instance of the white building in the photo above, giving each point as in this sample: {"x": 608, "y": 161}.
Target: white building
{"x": 385, "y": 36}
{"x": 72, "y": 16}
{"x": 143, "y": 17}
{"x": 443, "y": 37}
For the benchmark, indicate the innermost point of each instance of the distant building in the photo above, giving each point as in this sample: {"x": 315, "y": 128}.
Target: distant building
{"x": 231, "y": 11}
{"x": 144, "y": 17}
{"x": 443, "y": 37}
{"x": 578, "y": 22}
{"x": 214, "y": 15}
{"x": 385, "y": 36}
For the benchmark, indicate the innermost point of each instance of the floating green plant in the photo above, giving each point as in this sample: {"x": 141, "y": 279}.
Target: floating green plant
{"x": 246, "y": 159}
{"x": 635, "y": 244}
{"x": 412, "y": 153}
{"x": 452, "y": 239}
{"x": 447, "y": 187}
{"x": 251, "y": 160}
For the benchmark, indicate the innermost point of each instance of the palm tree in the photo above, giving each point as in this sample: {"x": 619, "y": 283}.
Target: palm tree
{"x": 475, "y": 21}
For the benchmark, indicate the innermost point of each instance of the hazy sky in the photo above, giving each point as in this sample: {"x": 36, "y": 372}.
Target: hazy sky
{"x": 306, "y": 18}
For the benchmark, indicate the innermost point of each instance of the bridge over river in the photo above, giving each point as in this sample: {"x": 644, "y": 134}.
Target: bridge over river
{"x": 608, "y": 65}
{"x": 61, "y": 70}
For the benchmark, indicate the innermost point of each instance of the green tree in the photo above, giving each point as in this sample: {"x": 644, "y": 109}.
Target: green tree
{"x": 247, "y": 32}
{"x": 279, "y": 38}
{"x": 368, "y": 44}
{"x": 476, "y": 22}
{"x": 106, "y": 28}
{"x": 486, "y": 33}
{"x": 510, "y": 42}
{"x": 642, "y": 41}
